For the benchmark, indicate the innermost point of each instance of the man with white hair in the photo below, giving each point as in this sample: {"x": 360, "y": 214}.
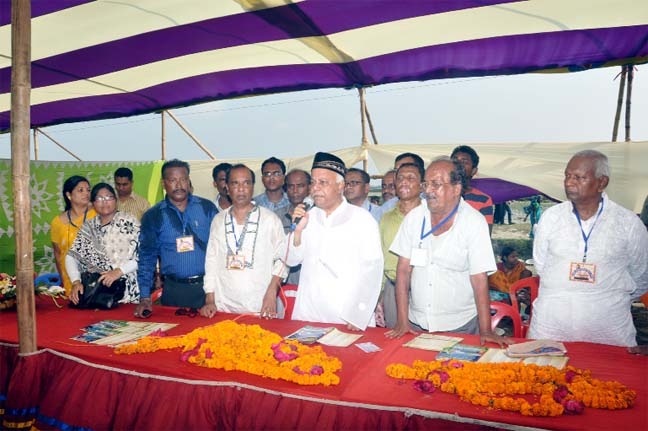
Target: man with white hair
{"x": 592, "y": 258}
{"x": 338, "y": 246}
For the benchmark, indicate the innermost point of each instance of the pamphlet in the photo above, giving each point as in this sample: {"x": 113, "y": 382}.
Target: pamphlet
{"x": 433, "y": 342}
{"x": 462, "y": 352}
{"x": 116, "y": 332}
{"x": 536, "y": 348}
{"x": 494, "y": 355}
{"x": 327, "y": 336}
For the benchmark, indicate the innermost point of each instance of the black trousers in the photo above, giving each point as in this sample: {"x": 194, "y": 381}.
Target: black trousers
{"x": 176, "y": 294}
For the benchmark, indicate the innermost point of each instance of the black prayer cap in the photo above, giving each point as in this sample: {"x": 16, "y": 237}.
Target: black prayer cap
{"x": 330, "y": 162}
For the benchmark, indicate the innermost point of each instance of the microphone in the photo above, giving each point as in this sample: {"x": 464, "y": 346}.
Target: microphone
{"x": 308, "y": 204}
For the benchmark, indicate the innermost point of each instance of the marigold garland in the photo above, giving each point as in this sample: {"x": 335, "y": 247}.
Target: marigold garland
{"x": 492, "y": 384}
{"x": 229, "y": 345}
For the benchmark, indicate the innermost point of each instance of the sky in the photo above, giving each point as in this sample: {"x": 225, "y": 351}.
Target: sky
{"x": 573, "y": 107}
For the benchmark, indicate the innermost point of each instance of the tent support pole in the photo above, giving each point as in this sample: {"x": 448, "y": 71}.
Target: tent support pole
{"x": 59, "y": 144}
{"x": 363, "y": 123}
{"x": 36, "y": 148}
{"x": 163, "y": 124}
{"x": 371, "y": 126}
{"x": 20, "y": 124}
{"x": 617, "y": 116}
{"x": 630, "y": 69}
{"x": 191, "y": 135}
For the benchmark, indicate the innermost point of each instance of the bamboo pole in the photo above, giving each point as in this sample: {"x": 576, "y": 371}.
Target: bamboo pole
{"x": 363, "y": 123}
{"x": 191, "y": 135}
{"x": 617, "y": 117}
{"x": 36, "y": 148}
{"x": 628, "y": 101}
{"x": 163, "y": 124}
{"x": 58, "y": 144}
{"x": 371, "y": 126}
{"x": 19, "y": 126}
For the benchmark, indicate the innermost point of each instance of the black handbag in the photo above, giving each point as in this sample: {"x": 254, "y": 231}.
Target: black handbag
{"x": 98, "y": 295}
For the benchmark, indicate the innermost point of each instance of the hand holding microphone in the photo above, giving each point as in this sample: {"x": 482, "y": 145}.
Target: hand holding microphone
{"x": 307, "y": 204}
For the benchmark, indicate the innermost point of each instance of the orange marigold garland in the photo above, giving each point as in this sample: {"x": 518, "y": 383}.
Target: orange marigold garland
{"x": 492, "y": 385}
{"x": 229, "y": 345}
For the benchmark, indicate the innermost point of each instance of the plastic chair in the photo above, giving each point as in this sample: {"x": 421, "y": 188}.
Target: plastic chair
{"x": 532, "y": 284}
{"x": 156, "y": 295}
{"x": 500, "y": 310}
{"x": 287, "y": 294}
{"x": 49, "y": 279}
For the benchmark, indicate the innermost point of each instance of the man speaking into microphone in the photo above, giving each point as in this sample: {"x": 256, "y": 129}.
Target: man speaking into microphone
{"x": 338, "y": 247}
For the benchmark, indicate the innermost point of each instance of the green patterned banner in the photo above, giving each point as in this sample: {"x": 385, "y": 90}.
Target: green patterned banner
{"x": 47, "y": 201}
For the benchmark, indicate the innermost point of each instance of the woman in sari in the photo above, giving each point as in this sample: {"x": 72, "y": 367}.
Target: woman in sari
{"x": 107, "y": 245}
{"x": 64, "y": 227}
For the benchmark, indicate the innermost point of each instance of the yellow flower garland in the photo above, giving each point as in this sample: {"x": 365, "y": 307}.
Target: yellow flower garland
{"x": 490, "y": 385}
{"x": 229, "y": 345}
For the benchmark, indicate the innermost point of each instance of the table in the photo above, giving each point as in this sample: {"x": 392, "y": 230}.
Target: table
{"x": 72, "y": 384}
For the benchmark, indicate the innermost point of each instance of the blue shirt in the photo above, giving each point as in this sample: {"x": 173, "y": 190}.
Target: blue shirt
{"x": 263, "y": 201}
{"x": 161, "y": 226}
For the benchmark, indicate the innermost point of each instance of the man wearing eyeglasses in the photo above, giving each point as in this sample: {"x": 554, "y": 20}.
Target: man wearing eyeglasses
{"x": 243, "y": 266}
{"x": 176, "y": 231}
{"x": 444, "y": 255}
{"x": 272, "y": 175}
{"x": 387, "y": 185}
{"x": 356, "y": 191}
{"x": 338, "y": 246}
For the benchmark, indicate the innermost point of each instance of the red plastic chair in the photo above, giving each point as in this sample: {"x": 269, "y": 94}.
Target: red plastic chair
{"x": 287, "y": 294}
{"x": 502, "y": 310}
{"x": 531, "y": 283}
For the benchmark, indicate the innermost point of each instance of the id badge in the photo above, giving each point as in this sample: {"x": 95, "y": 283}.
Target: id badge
{"x": 419, "y": 257}
{"x": 583, "y": 272}
{"x": 235, "y": 261}
{"x": 184, "y": 243}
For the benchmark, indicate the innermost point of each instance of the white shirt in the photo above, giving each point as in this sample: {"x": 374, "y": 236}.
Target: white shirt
{"x": 242, "y": 290}
{"x": 596, "y": 312}
{"x": 342, "y": 267}
{"x": 441, "y": 295}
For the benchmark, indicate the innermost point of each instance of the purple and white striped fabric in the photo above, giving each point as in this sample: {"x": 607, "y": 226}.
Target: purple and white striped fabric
{"x": 96, "y": 60}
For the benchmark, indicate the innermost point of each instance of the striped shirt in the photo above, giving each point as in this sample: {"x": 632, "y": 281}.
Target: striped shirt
{"x": 134, "y": 204}
{"x": 161, "y": 226}
{"x": 481, "y": 202}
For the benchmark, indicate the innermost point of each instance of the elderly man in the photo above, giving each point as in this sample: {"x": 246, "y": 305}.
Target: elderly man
{"x": 592, "y": 258}
{"x": 129, "y": 201}
{"x": 338, "y": 245}
{"x": 272, "y": 174}
{"x": 408, "y": 189}
{"x": 444, "y": 255}
{"x": 176, "y": 231}
{"x": 356, "y": 191}
{"x": 243, "y": 267}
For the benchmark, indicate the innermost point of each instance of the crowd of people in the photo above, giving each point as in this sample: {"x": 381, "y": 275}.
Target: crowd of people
{"x": 421, "y": 261}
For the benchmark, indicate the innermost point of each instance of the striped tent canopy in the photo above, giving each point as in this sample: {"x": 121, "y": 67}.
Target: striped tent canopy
{"x": 106, "y": 59}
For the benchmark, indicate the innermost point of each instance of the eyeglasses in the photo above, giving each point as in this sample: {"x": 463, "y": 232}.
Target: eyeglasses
{"x": 434, "y": 185}
{"x": 352, "y": 183}
{"x": 104, "y": 198}
{"x": 191, "y": 312}
{"x": 272, "y": 174}
{"x": 388, "y": 186}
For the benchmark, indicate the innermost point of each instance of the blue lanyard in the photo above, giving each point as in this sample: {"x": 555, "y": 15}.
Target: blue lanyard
{"x": 586, "y": 237}
{"x": 441, "y": 223}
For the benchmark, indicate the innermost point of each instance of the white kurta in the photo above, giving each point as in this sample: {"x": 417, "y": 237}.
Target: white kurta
{"x": 242, "y": 291}
{"x": 441, "y": 295}
{"x": 342, "y": 267}
{"x": 579, "y": 311}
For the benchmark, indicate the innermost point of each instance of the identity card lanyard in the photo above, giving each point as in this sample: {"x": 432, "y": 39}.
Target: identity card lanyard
{"x": 239, "y": 241}
{"x": 586, "y": 237}
{"x": 435, "y": 228}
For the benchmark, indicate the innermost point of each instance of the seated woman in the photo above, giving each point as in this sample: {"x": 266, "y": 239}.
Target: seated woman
{"x": 509, "y": 270}
{"x": 64, "y": 227}
{"x": 107, "y": 244}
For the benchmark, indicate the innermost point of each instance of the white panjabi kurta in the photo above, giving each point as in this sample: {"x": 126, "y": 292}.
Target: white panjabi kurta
{"x": 342, "y": 267}
{"x": 580, "y": 311}
{"x": 242, "y": 290}
{"x": 441, "y": 294}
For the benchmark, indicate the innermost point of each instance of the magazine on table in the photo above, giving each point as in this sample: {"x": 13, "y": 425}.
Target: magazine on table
{"x": 115, "y": 332}
{"x": 536, "y": 348}
{"x": 462, "y": 352}
{"x": 327, "y": 336}
{"x": 494, "y": 355}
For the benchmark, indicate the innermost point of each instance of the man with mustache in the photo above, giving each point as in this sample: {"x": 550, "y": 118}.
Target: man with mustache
{"x": 175, "y": 231}
{"x": 592, "y": 258}
{"x": 338, "y": 246}
{"x": 444, "y": 254}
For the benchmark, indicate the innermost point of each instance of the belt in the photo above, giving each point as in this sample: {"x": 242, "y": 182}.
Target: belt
{"x": 189, "y": 280}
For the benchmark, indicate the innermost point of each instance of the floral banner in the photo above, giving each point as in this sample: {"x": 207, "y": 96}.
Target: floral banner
{"x": 47, "y": 201}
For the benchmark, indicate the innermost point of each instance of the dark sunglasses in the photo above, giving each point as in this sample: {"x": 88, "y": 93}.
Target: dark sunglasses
{"x": 191, "y": 312}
